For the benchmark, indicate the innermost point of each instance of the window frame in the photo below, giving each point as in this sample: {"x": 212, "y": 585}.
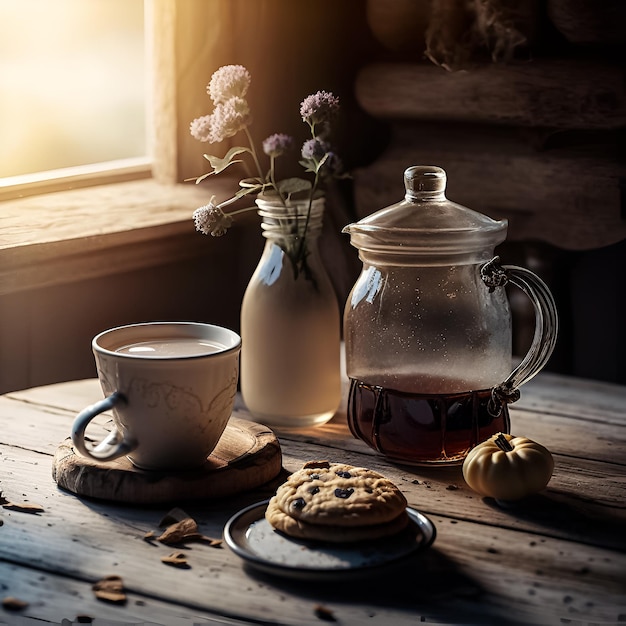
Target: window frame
{"x": 52, "y": 181}
{"x": 111, "y": 171}
{"x": 88, "y": 222}
{"x": 160, "y": 161}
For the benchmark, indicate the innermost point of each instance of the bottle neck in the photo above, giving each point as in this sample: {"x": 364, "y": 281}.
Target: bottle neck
{"x": 293, "y": 221}
{"x": 427, "y": 195}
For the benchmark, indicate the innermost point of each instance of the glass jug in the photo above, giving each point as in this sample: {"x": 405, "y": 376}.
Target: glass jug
{"x": 427, "y": 327}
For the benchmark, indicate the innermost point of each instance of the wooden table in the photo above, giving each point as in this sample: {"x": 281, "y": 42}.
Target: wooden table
{"x": 559, "y": 559}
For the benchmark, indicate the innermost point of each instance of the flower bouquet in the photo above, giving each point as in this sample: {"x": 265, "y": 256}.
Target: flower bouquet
{"x": 290, "y": 321}
{"x": 231, "y": 115}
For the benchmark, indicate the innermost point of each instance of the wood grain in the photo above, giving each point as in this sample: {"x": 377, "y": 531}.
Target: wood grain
{"x": 554, "y": 93}
{"x": 566, "y": 195}
{"x": 465, "y": 567}
{"x": 559, "y": 556}
{"x": 100, "y": 231}
{"x": 246, "y": 456}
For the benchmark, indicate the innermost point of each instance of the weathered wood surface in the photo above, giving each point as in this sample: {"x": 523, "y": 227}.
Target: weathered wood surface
{"x": 247, "y": 455}
{"x": 553, "y": 93}
{"x": 86, "y": 233}
{"x": 561, "y": 556}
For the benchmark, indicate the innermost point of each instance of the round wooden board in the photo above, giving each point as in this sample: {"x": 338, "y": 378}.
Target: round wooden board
{"x": 247, "y": 456}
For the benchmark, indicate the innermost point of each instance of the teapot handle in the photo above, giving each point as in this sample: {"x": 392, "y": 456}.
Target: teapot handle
{"x": 546, "y": 326}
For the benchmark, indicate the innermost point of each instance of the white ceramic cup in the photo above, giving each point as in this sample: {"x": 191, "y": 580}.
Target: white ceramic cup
{"x": 171, "y": 387}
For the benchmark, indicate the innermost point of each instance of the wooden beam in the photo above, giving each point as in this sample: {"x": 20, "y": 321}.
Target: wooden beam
{"x": 557, "y": 93}
{"x": 568, "y": 196}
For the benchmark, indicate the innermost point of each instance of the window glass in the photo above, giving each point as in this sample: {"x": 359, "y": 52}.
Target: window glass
{"x": 72, "y": 83}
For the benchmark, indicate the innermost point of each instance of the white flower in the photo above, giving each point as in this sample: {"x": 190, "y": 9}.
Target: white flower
{"x": 231, "y": 114}
{"x": 229, "y": 118}
{"x": 200, "y": 128}
{"x": 211, "y": 220}
{"x": 230, "y": 81}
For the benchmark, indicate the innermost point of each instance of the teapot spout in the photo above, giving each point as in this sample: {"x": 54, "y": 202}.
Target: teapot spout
{"x": 348, "y": 229}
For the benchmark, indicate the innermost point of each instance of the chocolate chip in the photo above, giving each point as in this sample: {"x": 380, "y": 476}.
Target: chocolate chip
{"x": 314, "y": 490}
{"x": 314, "y": 476}
{"x": 298, "y": 503}
{"x": 344, "y": 474}
{"x": 343, "y": 493}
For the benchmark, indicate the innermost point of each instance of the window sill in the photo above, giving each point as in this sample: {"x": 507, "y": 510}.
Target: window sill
{"x": 87, "y": 233}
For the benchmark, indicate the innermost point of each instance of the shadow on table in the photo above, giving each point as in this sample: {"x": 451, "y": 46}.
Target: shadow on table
{"x": 428, "y": 584}
{"x": 563, "y": 513}
{"x": 570, "y": 516}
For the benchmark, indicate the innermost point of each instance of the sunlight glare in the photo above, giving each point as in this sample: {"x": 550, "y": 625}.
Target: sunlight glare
{"x": 72, "y": 86}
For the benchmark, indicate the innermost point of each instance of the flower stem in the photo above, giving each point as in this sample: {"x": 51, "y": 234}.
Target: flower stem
{"x": 273, "y": 181}
{"x": 253, "y": 152}
{"x": 238, "y": 211}
{"x": 230, "y": 201}
{"x": 308, "y": 215}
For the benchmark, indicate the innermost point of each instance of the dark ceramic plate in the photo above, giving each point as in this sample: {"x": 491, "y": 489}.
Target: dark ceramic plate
{"x": 249, "y": 535}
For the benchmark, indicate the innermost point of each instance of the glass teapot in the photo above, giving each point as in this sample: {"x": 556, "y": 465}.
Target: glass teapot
{"x": 427, "y": 327}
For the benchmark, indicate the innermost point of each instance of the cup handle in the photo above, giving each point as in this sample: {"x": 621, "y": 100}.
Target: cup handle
{"x": 546, "y": 327}
{"x": 111, "y": 447}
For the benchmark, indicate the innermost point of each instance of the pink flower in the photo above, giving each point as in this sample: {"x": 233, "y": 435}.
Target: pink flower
{"x": 229, "y": 81}
{"x": 277, "y": 144}
{"x": 319, "y": 107}
{"x": 229, "y": 118}
{"x": 315, "y": 149}
{"x": 228, "y": 89}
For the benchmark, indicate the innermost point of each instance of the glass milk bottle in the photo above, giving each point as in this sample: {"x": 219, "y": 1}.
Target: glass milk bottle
{"x": 290, "y": 323}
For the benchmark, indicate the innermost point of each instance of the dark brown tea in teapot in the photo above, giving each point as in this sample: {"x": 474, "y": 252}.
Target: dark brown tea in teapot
{"x": 427, "y": 326}
{"x": 422, "y": 429}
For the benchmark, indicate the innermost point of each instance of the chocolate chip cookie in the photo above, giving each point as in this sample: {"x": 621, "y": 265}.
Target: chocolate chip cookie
{"x": 337, "y": 503}
{"x": 335, "y": 494}
{"x": 333, "y": 534}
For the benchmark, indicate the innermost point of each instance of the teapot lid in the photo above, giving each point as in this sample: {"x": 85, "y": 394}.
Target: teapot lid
{"x": 426, "y": 222}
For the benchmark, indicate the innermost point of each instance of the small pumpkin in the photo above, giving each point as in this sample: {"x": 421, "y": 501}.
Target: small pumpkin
{"x": 508, "y": 468}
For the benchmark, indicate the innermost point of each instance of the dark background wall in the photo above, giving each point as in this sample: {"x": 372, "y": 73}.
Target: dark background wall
{"x": 529, "y": 127}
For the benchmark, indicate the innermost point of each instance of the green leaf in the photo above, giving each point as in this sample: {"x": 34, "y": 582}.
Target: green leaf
{"x": 220, "y": 164}
{"x": 293, "y": 185}
{"x": 308, "y": 165}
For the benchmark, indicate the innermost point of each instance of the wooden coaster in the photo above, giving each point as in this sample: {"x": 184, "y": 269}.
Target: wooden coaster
{"x": 247, "y": 456}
